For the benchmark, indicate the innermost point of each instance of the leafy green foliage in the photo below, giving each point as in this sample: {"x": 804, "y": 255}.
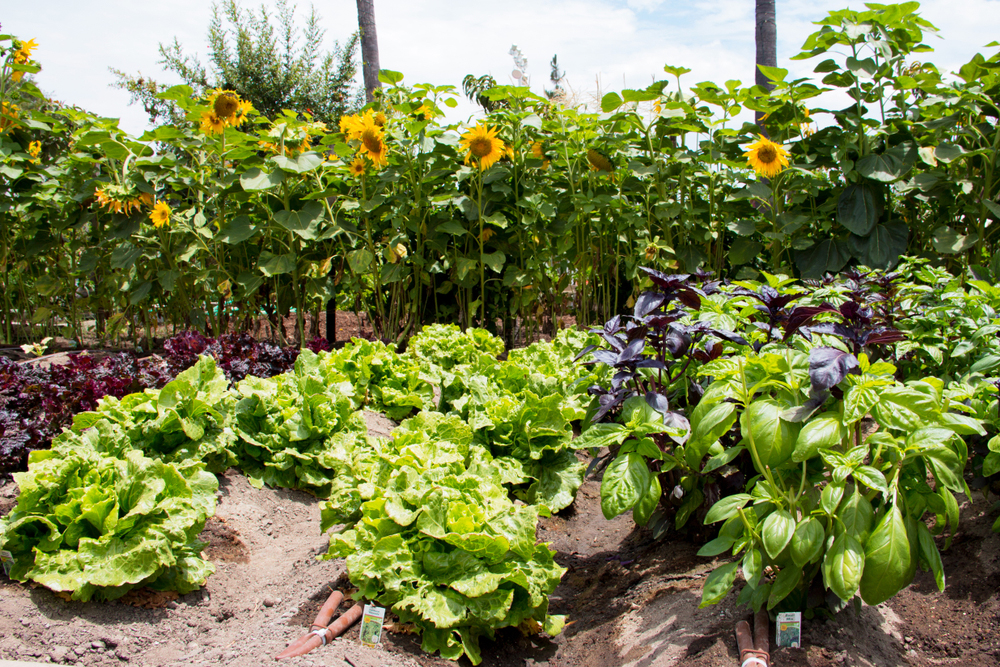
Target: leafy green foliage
{"x": 188, "y": 419}
{"x": 286, "y": 425}
{"x": 447, "y": 550}
{"x": 98, "y": 525}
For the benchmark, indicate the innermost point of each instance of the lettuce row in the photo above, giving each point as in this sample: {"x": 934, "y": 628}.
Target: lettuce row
{"x": 96, "y": 525}
{"x": 448, "y": 551}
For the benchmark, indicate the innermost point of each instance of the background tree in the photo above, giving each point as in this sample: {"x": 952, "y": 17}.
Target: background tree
{"x": 369, "y": 46}
{"x": 766, "y": 38}
{"x": 274, "y": 65}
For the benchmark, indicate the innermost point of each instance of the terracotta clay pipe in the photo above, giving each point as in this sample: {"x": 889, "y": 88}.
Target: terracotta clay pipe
{"x": 323, "y": 631}
{"x": 761, "y": 625}
{"x": 751, "y": 655}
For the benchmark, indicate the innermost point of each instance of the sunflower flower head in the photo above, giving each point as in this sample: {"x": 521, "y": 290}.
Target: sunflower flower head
{"x": 228, "y": 108}
{"x": 357, "y": 166}
{"x": 8, "y": 116}
{"x": 483, "y": 145}
{"x": 372, "y": 141}
{"x": 211, "y": 123}
{"x": 22, "y": 56}
{"x": 766, "y": 157}
{"x": 34, "y": 150}
{"x": 351, "y": 127}
{"x": 161, "y": 214}
{"x": 121, "y": 198}
{"x": 380, "y": 119}
{"x": 599, "y": 161}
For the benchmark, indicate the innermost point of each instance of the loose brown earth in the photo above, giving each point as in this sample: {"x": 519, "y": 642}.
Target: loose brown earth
{"x": 630, "y": 600}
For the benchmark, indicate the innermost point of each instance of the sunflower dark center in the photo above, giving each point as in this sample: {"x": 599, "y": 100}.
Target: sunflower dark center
{"x": 767, "y": 154}
{"x": 371, "y": 141}
{"x": 480, "y": 147}
{"x": 226, "y": 105}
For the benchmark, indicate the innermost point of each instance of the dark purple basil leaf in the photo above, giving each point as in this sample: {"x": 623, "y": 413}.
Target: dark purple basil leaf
{"x": 620, "y": 378}
{"x": 728, "y": 336}
{"x": 607, "y": 403}
{"x": 828, "y": 366}
{"x": 632, "y": 350}
{"x": 647, "y": 303}
{"x": 606, "y": 357}
{"x": 613, "y": 325}
{"x": 676, "y": 340}
{"x": 666, "y": 281}
{"x": 689, "y": 298}
{"x": 583, "y": 352}
{"x": 803, "y": 315}
{"x": 883, "y": 336}
{"x": 835, "y": 329}
{"x": 658, "y": 402}
{"x": 652, "y": 363}
{"x": 712, "y": 287}
{"x": 613, "y": 341}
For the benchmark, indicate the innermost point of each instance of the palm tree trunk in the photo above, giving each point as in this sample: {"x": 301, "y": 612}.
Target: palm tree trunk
{"x": 766, "y": 34}
{"x": 369, "y": 46}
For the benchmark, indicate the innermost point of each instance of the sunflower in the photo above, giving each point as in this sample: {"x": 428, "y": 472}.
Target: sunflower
{"x": 160, "y": 215}
{"x": 380, "y": 119}
{"x": 357, "y": 166}
{"x": 373, "y": 146}
{"x": 228, "y": 107}
{"x": 22, "y": 56}
{"x": 351, "y": 127}
{"x": 766, "y": 157}
{"x": 483, "y": 145}
{"x": 599, "y": 161}
{"x": 121, "y": 199}
{"x": 212, "y": 124}
{"x": 8, "y": 116}
{"x": 34, "y": 150}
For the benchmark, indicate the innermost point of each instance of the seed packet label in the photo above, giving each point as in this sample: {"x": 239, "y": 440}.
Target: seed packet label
{"x": 371, "y": 625}
{"x": 7, "y": 560}
{"x": 789, "y": 629}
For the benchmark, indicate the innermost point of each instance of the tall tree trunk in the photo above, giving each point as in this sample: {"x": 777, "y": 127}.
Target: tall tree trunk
{"x": 766, "y": 34}
{"x": 369, "y": 46}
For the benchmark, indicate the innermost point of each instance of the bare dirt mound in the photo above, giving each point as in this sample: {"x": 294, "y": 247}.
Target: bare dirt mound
{"x": 630, "y": 600}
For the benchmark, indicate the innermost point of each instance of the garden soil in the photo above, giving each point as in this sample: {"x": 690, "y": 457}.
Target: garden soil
{"x": 630, "y": 600}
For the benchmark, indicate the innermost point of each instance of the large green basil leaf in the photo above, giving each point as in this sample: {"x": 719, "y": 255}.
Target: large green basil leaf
{"x": 843, "y": 566}
{"x": 773, "y": 437}
{"x": 779, "y": 526}
{"x": 807, "y": 542}
{"x": 887, "y": 559}
{"x": 823, "y": 431}
{"x": 625, "y": 481}
{"x": 708, "y": 424}
{"x": 718, "y": 584}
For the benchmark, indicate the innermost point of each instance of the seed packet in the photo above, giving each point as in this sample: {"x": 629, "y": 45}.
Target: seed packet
{"x": 788, "y": 629}
{"x": 371, "y": 625}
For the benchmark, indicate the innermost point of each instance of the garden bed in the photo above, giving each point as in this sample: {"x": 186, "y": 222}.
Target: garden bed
{"x": 630, "y": 600}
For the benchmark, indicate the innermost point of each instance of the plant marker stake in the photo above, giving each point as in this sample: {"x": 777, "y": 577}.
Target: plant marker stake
{"x": 323, "y": 635}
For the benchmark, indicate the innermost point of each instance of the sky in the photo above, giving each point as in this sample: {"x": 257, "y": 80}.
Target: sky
{"x": 602, "y": 45}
